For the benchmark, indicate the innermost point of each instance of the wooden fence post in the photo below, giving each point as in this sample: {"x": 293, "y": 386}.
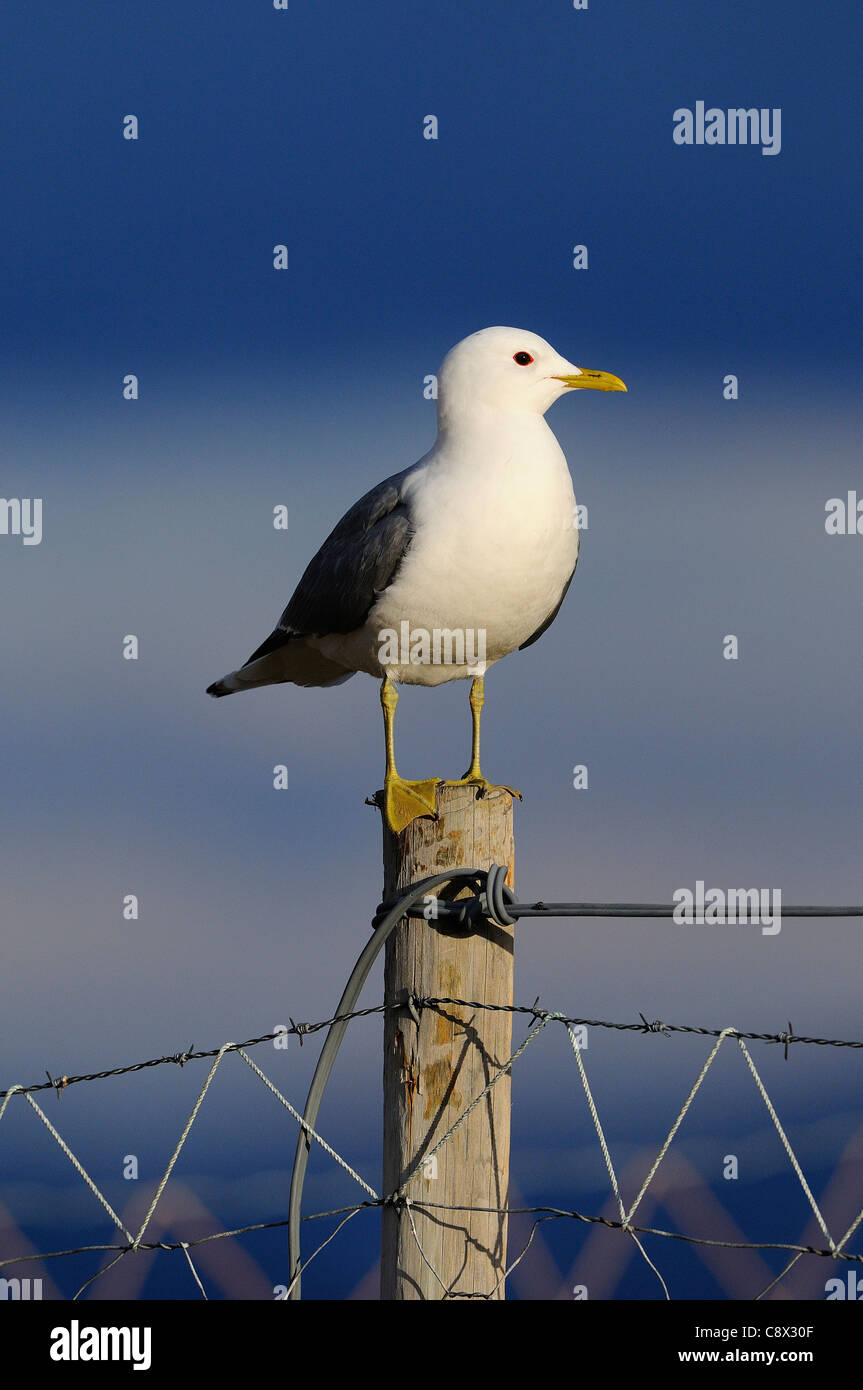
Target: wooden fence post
{"x": 432, "y": 1071}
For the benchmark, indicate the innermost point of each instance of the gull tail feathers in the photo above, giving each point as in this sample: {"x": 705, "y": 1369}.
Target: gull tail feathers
{"x": 284, "y": 657}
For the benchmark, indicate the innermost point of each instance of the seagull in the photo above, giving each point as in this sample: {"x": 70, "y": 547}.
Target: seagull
{"x": 444, "y": 568}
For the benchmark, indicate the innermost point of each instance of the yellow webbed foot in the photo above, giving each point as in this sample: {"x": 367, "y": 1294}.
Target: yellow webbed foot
{"x": 402, "y": 801}
{"x": 483, "y": 786}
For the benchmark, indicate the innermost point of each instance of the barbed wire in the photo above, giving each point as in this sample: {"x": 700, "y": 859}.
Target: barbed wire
{"x": 546, "y": 1212}
{"x": 553, "y": 1213}
{"x": 301, "y": 1030}
{"x": 495, "y": 901}
{"x": 399, "y": 1200}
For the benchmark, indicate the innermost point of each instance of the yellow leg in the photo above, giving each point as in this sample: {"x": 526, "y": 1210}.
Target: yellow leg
{"x": 473, "y": 777}
{"x": 403, "y": 801}
{"x": 476, "y": 701}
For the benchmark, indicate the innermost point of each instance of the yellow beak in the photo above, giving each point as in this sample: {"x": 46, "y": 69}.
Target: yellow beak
{"x": 596, "y": 381}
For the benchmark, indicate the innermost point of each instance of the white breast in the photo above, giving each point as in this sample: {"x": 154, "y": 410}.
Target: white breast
{"x": 495, "y": 542}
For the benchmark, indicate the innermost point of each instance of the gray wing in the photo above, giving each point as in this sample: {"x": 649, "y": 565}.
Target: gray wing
{"x": 357, "y": 561}
{"x": 552, "y": 615}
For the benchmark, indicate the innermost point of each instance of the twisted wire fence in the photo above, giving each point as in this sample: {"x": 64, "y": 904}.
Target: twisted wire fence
{"x": 490, "y": 900}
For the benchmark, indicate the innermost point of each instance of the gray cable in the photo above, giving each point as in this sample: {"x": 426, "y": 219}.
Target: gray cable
{"x": 386, "y": 919}
{"x": 493, "y": 900}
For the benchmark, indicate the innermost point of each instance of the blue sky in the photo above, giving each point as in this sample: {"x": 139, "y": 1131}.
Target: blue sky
{"x": 706, "y": 517}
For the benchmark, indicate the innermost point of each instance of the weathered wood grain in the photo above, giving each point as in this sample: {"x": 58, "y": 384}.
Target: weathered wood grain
{"x": 432, "y": 1072}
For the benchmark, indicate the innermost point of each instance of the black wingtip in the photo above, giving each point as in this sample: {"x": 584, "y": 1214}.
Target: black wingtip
{"x": 218, "y": 689}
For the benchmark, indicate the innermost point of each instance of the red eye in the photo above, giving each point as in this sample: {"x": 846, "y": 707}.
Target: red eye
{"x": 523, "y": 359}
